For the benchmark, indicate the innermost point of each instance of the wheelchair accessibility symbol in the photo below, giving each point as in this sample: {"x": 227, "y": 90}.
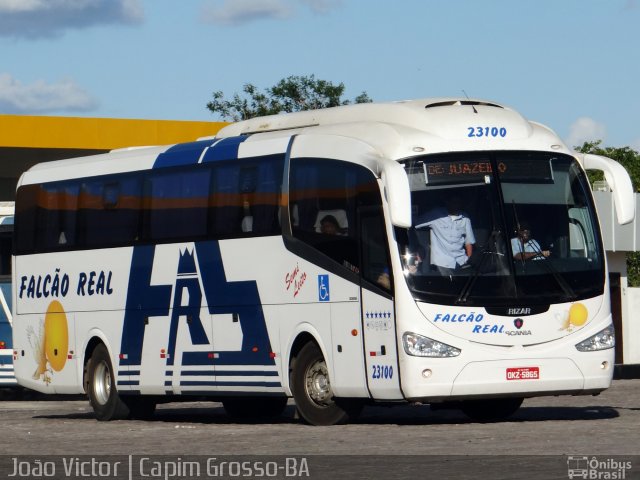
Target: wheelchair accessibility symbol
{"x": 323, "y": 288}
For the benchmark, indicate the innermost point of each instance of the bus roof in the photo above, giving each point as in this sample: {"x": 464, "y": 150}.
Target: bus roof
{"x": 426, "y": 125}
{"x": 396, "y": 130}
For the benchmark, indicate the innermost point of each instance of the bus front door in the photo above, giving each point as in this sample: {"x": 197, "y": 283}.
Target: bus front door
{"x": 378, "y": 312}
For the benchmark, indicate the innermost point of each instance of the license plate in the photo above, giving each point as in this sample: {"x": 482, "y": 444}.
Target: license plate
{"x": 523, "y": 373}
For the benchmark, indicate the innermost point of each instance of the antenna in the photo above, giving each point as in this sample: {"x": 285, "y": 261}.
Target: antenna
{"x": 472, "y": 106}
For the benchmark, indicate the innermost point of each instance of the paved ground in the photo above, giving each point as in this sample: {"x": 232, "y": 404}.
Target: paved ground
{"x": 605, "y": 426}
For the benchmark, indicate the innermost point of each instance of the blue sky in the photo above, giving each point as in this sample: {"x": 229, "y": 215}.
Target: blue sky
{"x": 571, "y": 64}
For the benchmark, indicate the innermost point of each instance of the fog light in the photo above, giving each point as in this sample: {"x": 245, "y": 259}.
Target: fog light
{"x": 604, "y": 365}
{"x": 426, "y": 373}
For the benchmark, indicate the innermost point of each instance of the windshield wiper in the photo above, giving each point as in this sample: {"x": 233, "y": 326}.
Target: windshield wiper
{"x": 486, "y": 253}
{"x": 566, "y": 288}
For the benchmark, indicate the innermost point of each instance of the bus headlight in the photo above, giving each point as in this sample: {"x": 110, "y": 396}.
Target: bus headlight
{"x": 602, "y": 340}
{"x": 421, "y": 346}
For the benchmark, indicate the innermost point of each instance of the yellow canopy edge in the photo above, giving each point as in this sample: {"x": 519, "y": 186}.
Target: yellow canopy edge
{"x": 98, "y": 133}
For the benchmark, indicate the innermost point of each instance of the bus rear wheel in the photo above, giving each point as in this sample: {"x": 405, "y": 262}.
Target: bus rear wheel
{"x": 492, "y": 409}
{"x": 101, "y": 387}
{"x": 312, "y": 391}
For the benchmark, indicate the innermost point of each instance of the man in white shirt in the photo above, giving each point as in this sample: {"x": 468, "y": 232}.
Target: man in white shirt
{"x": 526, "y": 248}
{"x": 452, "y": 237}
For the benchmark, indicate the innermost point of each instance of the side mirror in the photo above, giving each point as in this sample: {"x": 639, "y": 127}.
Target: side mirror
{"x": 619, "y": 181}
{"x": 396, "y": 185}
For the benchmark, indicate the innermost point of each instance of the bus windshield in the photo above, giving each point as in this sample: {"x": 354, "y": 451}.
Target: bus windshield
{"x": 493, "y": 227}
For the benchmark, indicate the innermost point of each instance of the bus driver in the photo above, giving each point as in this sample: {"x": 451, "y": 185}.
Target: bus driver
{"x": 526, "y": 248}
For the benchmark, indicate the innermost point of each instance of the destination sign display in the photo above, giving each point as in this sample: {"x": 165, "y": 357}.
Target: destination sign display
{"x": 523, "y": 170}
{"x": 442, "y": 173}
{"x": 481, "y": 171}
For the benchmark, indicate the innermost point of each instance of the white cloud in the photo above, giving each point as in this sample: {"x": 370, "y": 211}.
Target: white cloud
{"x": 48, "y": 18}
{"x": 12, "y": 6}
{"x": 238, "y": 12}
{"x": 585, "y": 129}
{"x": 322, "y": 6}
{"x": 636, "y": 144}
{"x": 42, "y": 97}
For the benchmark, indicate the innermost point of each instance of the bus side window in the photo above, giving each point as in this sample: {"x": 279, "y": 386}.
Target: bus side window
{"x": 247, "y": 190}
{"x": 376, "y": 265}
{"x": 265, "y": 201}
{"x": 124, "y": 201}
{"x": 26, "y": 219}
{"x": 67, "y": 236}
{"x": 318, "y": 188}
{"x": 226, "y": 209}
{"x": 375, "y": 254}
{"x": 109, "y": 212}
{"x": 177, "y": 203}
{"x": 48, "y": 217}
{"x": 56, "y": 217}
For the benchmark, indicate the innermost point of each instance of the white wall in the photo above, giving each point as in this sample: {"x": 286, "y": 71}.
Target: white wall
{"x": 630, "y": 303}
{"x": 631, "y": 325}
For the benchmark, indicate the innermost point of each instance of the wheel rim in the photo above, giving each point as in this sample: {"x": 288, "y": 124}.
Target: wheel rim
{"x": 317, "y": 385}
{"x": 102, "y": 383}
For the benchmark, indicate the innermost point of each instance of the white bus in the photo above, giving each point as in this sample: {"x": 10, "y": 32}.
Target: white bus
{"x": 203, "y": 268}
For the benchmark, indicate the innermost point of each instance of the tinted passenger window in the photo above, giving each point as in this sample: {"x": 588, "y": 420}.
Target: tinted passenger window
{"x": 177, "y": 202}
{"x": 108, "y": 212}
{"x": 227, "y": 199}
{"x": 49, "y": 213}
{"x": 245, "y": 197}
{"x": 324, "y": 199}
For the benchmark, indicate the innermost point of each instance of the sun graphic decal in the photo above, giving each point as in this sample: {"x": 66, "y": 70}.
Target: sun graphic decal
{"x": 50, "y": 342}
{"x": 576, "y": 316}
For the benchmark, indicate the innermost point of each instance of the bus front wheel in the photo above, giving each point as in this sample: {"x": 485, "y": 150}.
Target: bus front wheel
{"x": 101, "y": 387}
{"x": 312, "y": 392}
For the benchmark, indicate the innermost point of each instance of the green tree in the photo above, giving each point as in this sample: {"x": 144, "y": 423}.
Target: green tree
{"x": 629, "y": 159}
{"x": 626, "y": 156}
{"x": 291, "y": 94}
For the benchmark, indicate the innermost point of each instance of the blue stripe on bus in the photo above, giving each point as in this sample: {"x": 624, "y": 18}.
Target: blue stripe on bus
{"x": 217, "y": 373}
{"x": 145, "y": 300}
{"x": 129, "y": 372}
{"x": 244, "y": 373}
{"x": 189, "y": 383}
{"x": 198, "y": 373}
{"x": 182, "y": 154}
{"x": 240, "y": 297}
{"x": 196, "y": 358}
{"x": 128, "y": 382}
{"x": 190, "y": 153}
{"x": 225, "y": 149}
